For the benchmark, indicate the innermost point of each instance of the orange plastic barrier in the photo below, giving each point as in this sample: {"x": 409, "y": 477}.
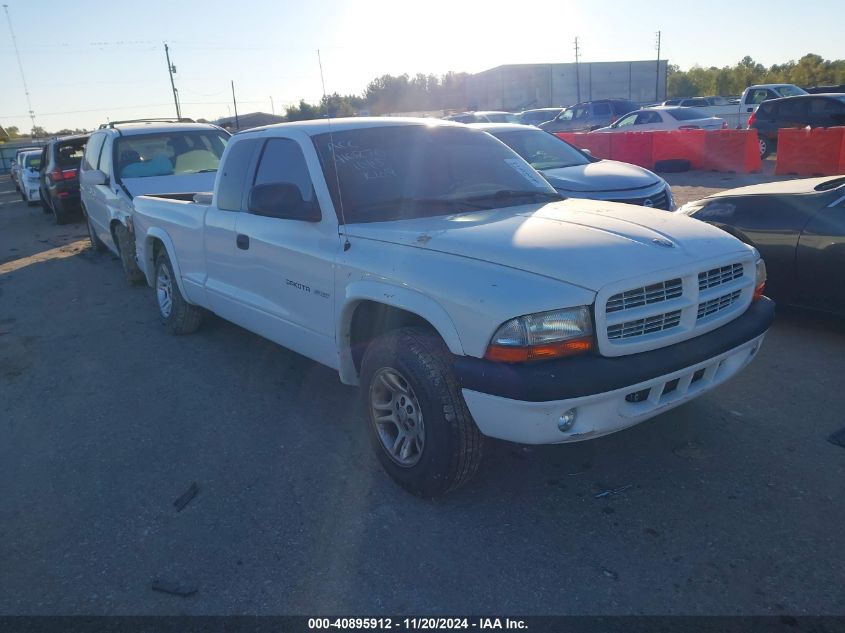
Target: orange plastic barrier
{"x": 732, "y": 150}
{"x": 598, "y": 144}
{"x": 632, "y": 147}
{"x": 679, "y": 145}
{"x": 816, "y": 152}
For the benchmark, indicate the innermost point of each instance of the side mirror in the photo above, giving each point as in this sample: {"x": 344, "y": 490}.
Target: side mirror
{"x": 282, "y": 200}
{"x": 93, "y": 177}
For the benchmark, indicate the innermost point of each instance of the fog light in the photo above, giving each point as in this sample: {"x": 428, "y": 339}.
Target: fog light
{"x": 566, "y": 421}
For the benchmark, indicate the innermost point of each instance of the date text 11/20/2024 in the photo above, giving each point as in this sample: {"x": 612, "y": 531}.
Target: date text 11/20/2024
{"x": 435, "y": 624}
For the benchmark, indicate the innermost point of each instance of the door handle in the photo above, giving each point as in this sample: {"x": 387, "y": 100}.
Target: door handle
{"x": 242, "y": 241}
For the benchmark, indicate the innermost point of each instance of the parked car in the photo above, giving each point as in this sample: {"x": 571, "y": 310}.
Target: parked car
{"x": 665, "y": 118}
{"x": 802, "y": 111}
{"x": 575, "y": 174}
{"x": 15, "y": 169}
{"x": 798, "y": 226}
{"x": 431, "y": 265}
{"x": 128, "y": 158}
{"x": 29, "y": 164}
{"x": 589, "y": 115}
{"x": 753, "y": 96}
{"x": 485, "y": 116}
{"x": 59, "y": 177}
{"x": 538, "y": 115}
{"x": 701, "y": 102}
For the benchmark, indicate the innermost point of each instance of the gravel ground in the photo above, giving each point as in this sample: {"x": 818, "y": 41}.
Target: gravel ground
{"x": 735, "y": 504}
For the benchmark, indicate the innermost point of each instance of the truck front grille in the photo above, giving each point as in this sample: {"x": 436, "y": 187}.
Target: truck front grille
{"x": 641, "y": 317}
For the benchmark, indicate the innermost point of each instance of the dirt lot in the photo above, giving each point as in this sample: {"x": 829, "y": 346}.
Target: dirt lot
{"x": 735, "y": 504}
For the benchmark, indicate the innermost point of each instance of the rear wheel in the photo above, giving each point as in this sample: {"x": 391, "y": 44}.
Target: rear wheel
{"x": 45, "y": 203}
{"x": 417, "y": 420}
{"x": 126, "y": 247}
{"x": 176, "y": 314}
{"x": 765, "y": 146}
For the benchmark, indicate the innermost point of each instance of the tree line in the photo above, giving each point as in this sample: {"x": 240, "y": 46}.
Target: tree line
{"x": 811, "y": 70}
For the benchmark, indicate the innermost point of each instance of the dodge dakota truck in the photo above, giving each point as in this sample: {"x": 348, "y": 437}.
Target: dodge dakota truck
{"x": 431, "y": 265}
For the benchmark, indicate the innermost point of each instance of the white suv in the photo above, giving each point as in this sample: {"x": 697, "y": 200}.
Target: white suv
{"x": 125, "y": 159}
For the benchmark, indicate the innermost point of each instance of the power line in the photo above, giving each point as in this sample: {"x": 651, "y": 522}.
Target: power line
{"x": 20, "y": 67}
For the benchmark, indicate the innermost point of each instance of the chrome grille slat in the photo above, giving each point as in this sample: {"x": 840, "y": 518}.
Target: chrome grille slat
{"x": 648, "y": 325}
{"x": 645, "y": 295}
{"x": 718, "y": 304}
{"x": 718, "y": 276}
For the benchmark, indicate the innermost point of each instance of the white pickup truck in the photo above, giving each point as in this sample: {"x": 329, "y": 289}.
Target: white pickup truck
{"x": 428, "y": 263}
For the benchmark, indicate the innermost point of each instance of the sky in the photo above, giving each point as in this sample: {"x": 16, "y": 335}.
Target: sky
{"x": 90, "y": 61}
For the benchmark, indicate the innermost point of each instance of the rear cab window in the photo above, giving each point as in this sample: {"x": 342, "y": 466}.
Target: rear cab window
{"x": 231, "y": 182}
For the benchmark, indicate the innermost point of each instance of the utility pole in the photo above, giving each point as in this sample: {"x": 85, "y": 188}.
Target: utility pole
{"x": 577, "y": 70}
{"x": 172, "y": 69}
{"x": 272, "y": 106}
{"x": 657, "y": 73}
{"x": 235, "y": 103}
{"x": 20, "y": 67}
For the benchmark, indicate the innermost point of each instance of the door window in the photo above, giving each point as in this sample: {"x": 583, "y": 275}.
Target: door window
{"x": 233, "y": 177}
{"x": 627, "y": 120}
{"x": 92, "y": 151}
{"x": 645, "y": 118}
{"x": 105, "y": 160}
{"x": 601, "y": 109}
{"x": 282, "y": 161}
{"x": 758, "y": 96}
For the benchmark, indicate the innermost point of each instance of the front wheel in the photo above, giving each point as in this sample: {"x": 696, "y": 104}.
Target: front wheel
{"x": 417, "y": 420}
{"x": 176, "y": 314}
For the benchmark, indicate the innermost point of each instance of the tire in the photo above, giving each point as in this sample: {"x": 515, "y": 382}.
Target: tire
{"x": 45, "y": 205}
{"x": 406, "y": 374}
{"x": 59, "y": 212}
{"x": 96, "y": 242}
{"x": 126, "y": 247}
{"x": 765, "y": 146}
{"x": 176, "y": 314}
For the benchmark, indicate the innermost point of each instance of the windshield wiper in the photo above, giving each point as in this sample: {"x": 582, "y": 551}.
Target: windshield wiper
{"x": 511, "y": 194}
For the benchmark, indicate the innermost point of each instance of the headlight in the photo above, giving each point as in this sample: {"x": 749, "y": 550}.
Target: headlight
{"x": 759, "y": 279}
{"x": 691, "y": 207}
{"x": 543, "y": 335}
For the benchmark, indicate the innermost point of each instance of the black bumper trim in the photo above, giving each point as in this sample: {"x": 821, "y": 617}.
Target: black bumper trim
{"x": 587, "y": 375}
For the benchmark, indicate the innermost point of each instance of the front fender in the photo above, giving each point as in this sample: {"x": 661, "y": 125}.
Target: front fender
{"x": 146, "y": 256}
{"x": 397, "y": 297}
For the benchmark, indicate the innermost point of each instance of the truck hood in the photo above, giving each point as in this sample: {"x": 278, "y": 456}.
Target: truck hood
{"x": 581, "y": 242}
{"x": 601, "y": 176}
{"x": 182, "y": 183}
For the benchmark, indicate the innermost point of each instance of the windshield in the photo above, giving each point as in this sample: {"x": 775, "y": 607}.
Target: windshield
{"x": 32, "y": 161}
{"x": 173, "y": 153}
{"x": 687, "y": 114}
{"x": 411, "y": 171}
{"x": 790, "y": 91}
{"x": 501, "y": 117}
{"x": 541, "y": 149}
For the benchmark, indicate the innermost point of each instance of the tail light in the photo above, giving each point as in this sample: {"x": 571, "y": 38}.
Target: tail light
{"x": 752, "y": 119}
{"x": 689, "y": 127}
{"x": 57, "y": 175}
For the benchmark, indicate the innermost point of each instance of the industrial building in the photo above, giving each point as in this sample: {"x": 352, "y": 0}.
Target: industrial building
{"x": 520, "y": 86}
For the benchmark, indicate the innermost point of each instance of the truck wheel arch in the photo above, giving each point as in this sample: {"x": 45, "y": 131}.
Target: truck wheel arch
{"x": 154, "y": 241}
{"x": 371, "y": 309}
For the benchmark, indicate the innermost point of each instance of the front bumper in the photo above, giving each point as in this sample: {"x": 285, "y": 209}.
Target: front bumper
{"x": 523, "y": 403}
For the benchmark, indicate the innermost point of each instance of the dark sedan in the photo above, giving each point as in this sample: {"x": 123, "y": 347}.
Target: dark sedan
{"x": 799, "y": 228}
